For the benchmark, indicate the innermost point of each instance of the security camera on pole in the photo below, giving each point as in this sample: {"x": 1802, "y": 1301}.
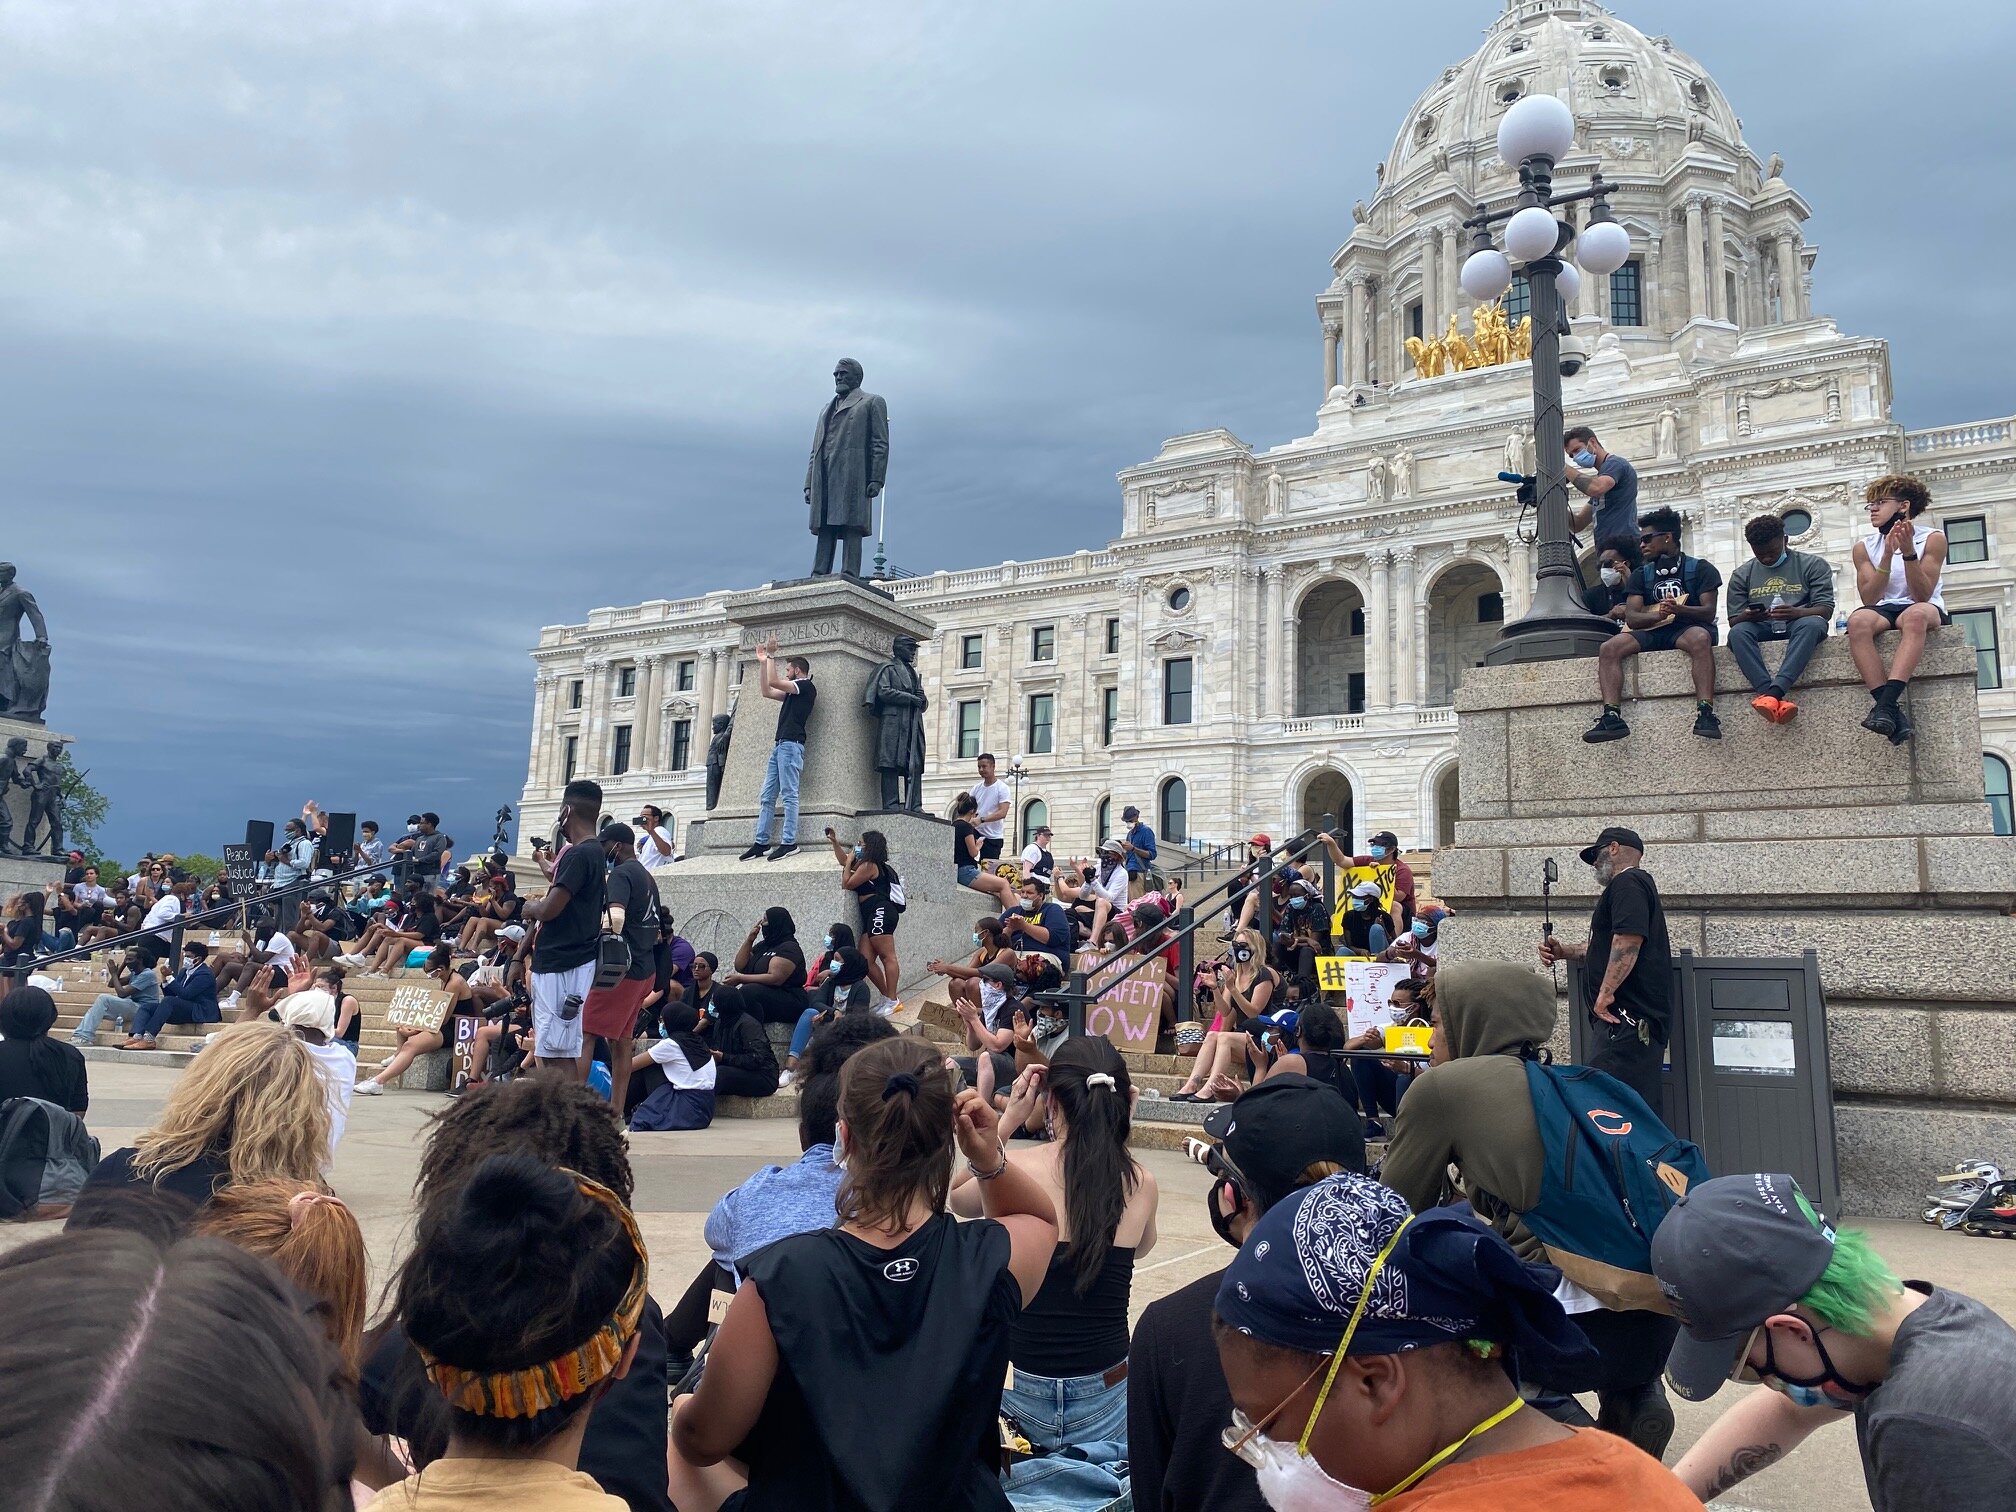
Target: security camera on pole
{"x": 1536, "y": 133}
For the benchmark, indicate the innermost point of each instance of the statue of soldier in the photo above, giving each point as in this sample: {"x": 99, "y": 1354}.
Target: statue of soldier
{"x": 24, "y": 665}
{"x": 896, "y": 699}
{"x": 11, "y": 777}
{"x": 717, "y": 756}
{"x": 850, "y": 458}
{"x": 44, "y": 780}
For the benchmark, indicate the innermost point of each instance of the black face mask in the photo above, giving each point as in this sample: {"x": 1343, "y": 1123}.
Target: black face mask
{"x": 1221, "y": 1223}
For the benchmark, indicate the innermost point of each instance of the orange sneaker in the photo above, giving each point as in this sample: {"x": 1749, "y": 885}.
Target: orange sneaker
{"x": 1768, "y": 707}
{"x": 1787, "y": 712}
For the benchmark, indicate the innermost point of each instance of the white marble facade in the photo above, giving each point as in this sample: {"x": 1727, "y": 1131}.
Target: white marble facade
{"x": 1325, "y": 596}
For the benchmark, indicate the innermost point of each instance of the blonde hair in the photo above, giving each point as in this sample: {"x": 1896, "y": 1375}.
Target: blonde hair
{"x": 311, "y": 1238}
{"x": 254, "y": 1100}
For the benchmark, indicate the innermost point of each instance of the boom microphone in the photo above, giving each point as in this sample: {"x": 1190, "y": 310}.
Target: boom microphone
{"x": 1512, "y": 477}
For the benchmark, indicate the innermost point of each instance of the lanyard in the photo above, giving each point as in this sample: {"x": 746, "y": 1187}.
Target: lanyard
{"x": 1489, "y": 1423}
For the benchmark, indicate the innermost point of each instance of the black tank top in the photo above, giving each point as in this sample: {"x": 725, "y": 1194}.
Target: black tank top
{"x": 1061, "y": 1334}
{"x": 858, "y": 1328}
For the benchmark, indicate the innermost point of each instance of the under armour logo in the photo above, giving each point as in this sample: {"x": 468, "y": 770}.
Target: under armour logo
{"x": 899, "y": 1270}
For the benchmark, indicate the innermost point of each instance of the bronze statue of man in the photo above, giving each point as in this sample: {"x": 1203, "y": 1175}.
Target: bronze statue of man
{"x": 45, "y": 804}
{"x": 13, "y": 774}
{"x": 717, "y": 756}
{"x": 850, "y": 458}
{"x": 896, "y": 699}
{"x": 24, "y": 665}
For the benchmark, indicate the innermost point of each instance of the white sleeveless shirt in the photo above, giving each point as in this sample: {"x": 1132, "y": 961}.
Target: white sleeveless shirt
{"x": 1895, "y": 591}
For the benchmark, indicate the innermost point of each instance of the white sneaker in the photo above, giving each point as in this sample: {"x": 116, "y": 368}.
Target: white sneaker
{"x": 786, "y": 1079}
{"x": 228, "y": 1003}
{"x": 370, "y": 1087}
{"x": 887, "y": 1007}
{"x": 353, "y": 961}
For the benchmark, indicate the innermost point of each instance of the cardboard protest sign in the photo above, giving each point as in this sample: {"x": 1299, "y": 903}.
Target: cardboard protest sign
{"x": 417, "y": 1007}
{"x": 1128, "y": 1013}
{"x": 462, "y": 1050}
{"x": 1368, "y": 994}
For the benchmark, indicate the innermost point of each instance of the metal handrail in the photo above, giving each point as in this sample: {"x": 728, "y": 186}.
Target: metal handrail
{"x": 1076, "y": 996}
{"x": 238, "y": 909}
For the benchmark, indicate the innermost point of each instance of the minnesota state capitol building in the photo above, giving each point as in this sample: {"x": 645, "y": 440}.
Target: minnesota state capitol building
{"x": 1276, "y": 634}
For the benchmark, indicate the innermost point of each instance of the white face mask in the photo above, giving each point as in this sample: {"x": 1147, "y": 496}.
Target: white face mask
{"x": 1613, "y": 577}
{"x": 1293, "y": 1482}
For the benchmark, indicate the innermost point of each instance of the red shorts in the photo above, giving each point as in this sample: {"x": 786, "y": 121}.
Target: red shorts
{"x": 611, "y": 1012}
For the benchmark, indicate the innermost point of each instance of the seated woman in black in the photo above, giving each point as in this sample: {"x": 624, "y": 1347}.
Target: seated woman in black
{"x": 31, "y": 1063}
{"x": 744, "y": 1063}
{"x": 821, "y": 1318}
{"x": 769, "y": 974}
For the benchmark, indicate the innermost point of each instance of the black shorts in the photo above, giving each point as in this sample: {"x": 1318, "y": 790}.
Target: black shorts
{"x": 990, "y": 850}
{"x": 1667, "y": 637}
{"x": 878, "y": 916}
{"x": 1890, "y": 612}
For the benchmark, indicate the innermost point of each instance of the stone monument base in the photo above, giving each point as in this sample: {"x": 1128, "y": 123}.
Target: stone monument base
{"x": 27, "y": 873}
{"x": 1816, "y": 835}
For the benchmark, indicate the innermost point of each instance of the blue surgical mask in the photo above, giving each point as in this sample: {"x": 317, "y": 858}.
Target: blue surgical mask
{"x": 1783, "y": 558}
{"x": 827, "y": 941}
{"x": 1421, "y": 928}
{"x": 1378, "y": 853}
{"x": 976, "y": 942}
{"x": 1585, "y": 459}
{"x": 1298, "y": 902}
{"x": 857, "y": 852}
{"x": 1806, "y": 1396}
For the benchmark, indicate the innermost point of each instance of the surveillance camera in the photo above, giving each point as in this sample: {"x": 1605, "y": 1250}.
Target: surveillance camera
{"x": 1574, "y": 356}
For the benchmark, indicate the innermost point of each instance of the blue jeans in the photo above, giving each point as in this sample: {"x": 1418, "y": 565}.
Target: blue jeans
{"x": 787, "y": 764}
{"x": 802, "y": 1035}
{"x": 1801, "y": 640}
{"x": 1380, "y": 1087}
{"x": 118, "y": 1008}
{"x": 1079, "y": 1428}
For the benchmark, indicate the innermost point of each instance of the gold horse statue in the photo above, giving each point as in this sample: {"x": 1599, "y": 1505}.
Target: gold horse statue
{"x": 1428, "y": 357}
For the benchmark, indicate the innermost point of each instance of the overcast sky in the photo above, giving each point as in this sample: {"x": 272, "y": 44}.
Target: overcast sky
{"x": 342, "y": 347}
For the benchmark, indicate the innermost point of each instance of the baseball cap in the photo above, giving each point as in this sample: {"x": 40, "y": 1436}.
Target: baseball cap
{"x": 313, "y": 1009}
{"x": 1732, "y": 1252}
{"x": 1110, "y": 847}
{"x": 512, "y": 932}
{"x": 617, "y": 834}
{"x": 1615, "y": 832}
{"x": 1277, "y": 1130}
{"x": 1367, "y": 890}
{"x": 999, "y": 971}
{"x": 1262, "y": 840}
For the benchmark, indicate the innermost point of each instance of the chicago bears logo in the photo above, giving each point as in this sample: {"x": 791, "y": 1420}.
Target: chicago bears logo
{"x": 1616, "y": 1125}
{"x": 899, "y": 1270}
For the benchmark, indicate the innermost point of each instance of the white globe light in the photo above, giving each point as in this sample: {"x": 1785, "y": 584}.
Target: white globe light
{"x": 1569, "y": 282}
{"x": 1602, "y": 248}
{"x": 1536, "y": 126}
{"x": 1486, "y": 275}
{"x": 1530, "y": 235}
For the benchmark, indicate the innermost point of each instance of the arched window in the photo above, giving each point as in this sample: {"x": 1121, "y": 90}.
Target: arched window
{"x": 1174, "y": 813}
{"x": 1102, "y": 820}
{"x": 1035, "y": 814}
{"x": 1996, "y": 771}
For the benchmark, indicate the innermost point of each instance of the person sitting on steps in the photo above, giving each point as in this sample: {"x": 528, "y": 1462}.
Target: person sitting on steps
{"x": 1669, "y": 606}
{"x": 1898, "y": 563}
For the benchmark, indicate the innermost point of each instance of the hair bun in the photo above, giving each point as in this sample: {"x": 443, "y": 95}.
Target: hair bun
{"x": 902, "y": 1081}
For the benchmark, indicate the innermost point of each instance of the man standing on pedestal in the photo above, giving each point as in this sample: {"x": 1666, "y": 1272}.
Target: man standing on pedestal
{"x": 850, "y": 458}
{"x": 795, "y": 692}
{"x": 1627, "y": 966}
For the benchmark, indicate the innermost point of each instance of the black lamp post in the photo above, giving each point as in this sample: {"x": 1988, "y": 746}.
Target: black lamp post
{"x": 1535, "y": 134}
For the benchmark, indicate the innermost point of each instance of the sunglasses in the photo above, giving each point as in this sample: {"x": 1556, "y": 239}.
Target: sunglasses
{"x": 1239, "y": 1435}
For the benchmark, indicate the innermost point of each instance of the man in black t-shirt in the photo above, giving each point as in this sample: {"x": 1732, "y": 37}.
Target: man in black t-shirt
{"x": 632, "y": 911}
{"x": 795, "y": 692}
{"x": 1627, "y": 966}
{"x": 1282, "y": 1135}
{"x": 569, "y": 916}
{"x": 1669, "y": 605}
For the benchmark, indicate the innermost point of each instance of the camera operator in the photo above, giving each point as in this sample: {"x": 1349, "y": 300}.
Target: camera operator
{"x": 1611, "y": 592}
{"x": 1610, "y": 484}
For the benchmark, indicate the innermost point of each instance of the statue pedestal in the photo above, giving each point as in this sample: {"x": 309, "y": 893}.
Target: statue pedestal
{"x": 1776, "y": 839}
{"x": 845, "y": 630}
{"x": 27, "y": 873}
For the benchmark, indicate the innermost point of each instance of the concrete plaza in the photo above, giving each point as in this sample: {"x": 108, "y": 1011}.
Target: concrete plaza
{"x": 679, "y": 1176}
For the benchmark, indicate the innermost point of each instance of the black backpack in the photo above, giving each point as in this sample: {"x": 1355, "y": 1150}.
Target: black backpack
{"x": 46, "y": 1155}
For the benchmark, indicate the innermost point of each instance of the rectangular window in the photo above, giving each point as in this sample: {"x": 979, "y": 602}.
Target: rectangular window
{"x": 1042, "y": 716}
{"x": 1109, "y": 717}
{"x": 969, "y": 728}
{"x": 1357, "y": 622}
{"x": 1354, "y": 696}
{"x": 1627, "y": 295}
{"x": 626, "y": 682}
{"x": 1414, "y": 318}
{"x": 1043, "y": 643}
{"x": 1518, "y": 300}
{"x": 1966, "y": 540}
{"x": 971, "y": 649}
{"x": 619, "y": 754}
{"x": 682, "y": 675}
{"x": 682, "y": 744}
{"x": 574, "y": 694}
{"x": 1490, "y": 608}
{"x": 1113, "y": 635}
{"x": 1176, "y": 686}
{"x": 573, "y": 751}
{"x": 1978, "y": 625}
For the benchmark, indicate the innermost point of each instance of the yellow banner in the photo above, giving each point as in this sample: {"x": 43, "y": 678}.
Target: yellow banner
{"x": 1331, "y": 975}
{"x": 1348, "y": 877}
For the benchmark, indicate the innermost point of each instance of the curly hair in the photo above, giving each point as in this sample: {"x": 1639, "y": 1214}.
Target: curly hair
{"x": 1916, "y": 496}
{"x": 553, "y": 1119}
{"x": 254, "y": 1100}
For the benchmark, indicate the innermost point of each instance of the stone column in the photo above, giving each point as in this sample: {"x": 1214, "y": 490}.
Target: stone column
{"x": 1698, "y": 305}
{"x": 1378, "y": 632}
{"x": 1718, "y": 266}
{"x": 1789, "y": 279}
{"x": 1404, "y": 647}
{"x": 1586, "y": 300}
{"x": 1432, "y": 316}
{"x": 704, "y": 694}
{"x": 1332, "y": 329}
{"x": 595, "y": 720}
{"x": 543, "y": 684}
{"x": 1452, "y": 291}
{"x": 1349, "y": 336}
{"x": 1271, "y": 612}
{"x": 1362, "y": 335}
{"x": 1071, "y": 720}
{"x": 650, "y": 676}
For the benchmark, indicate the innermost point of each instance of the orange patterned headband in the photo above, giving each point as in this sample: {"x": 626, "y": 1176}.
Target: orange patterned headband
{"x": 530, "y": 1391}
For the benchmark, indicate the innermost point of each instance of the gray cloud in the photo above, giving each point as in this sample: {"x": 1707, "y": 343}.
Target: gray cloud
{"x": 349, "y": 345}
